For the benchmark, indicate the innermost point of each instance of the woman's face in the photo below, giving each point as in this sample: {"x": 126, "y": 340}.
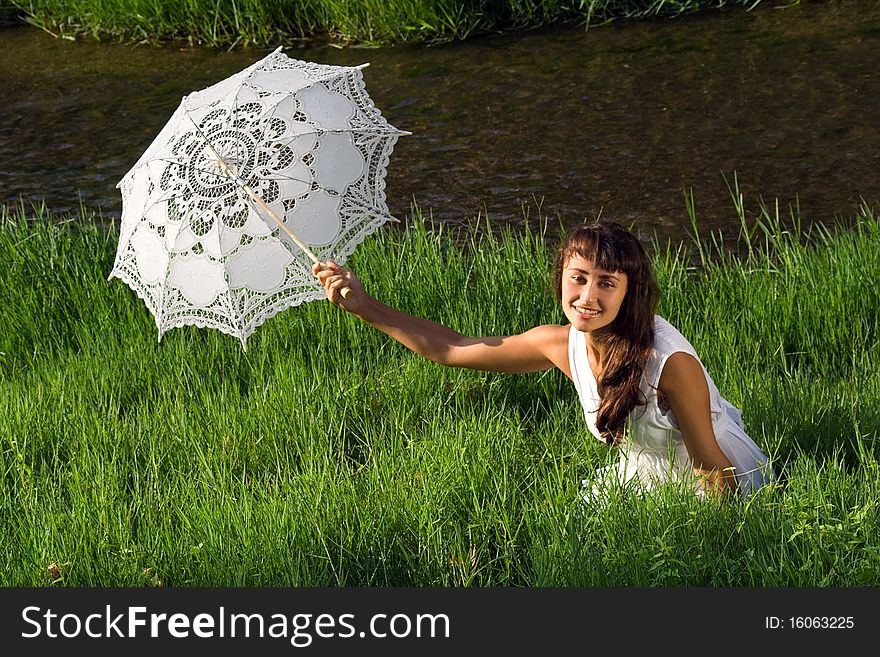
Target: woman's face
{"x": 591, "y": 297}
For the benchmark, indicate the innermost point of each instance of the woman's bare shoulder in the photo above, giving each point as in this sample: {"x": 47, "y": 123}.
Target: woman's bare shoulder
{"x": 552, "y": 340}
{"x": 552, "y": 333}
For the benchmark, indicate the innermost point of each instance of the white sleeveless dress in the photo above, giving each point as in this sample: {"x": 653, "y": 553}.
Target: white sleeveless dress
{"x": 654, "y": 451}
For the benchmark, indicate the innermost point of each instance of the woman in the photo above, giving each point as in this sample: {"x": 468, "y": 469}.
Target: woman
{"x": 639, "y": 381}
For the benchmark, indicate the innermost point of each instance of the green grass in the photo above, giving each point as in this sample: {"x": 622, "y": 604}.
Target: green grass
{"x": 329, "y": 455}
{"x": 267, "y": 22}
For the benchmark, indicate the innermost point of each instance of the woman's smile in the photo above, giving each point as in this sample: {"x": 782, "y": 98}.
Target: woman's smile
{"x": 585, "y": 312}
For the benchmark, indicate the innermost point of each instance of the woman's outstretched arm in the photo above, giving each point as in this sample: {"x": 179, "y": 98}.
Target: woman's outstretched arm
{"x": 538, "y": 349}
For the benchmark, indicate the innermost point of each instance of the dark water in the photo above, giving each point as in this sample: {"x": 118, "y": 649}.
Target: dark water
{"x": 618, "y": 119}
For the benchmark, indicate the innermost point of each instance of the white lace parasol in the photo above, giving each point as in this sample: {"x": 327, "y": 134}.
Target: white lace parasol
{"x": 251, "y": 181}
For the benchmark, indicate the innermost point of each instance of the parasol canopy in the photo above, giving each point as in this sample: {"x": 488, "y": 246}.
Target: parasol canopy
{"x": 251, "y": 181}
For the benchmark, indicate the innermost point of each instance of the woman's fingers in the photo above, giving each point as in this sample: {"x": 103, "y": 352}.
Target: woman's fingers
{"x": 335, "y": 284}
{"x": 336, "y": 281}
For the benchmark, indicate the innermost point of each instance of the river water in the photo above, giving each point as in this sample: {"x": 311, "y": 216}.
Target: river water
{"x": 616, "y": 120}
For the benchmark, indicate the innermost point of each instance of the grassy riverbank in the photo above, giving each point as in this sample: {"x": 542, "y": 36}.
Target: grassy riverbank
{"x": 328, "y": 455}
{"x": 269, "y": 22}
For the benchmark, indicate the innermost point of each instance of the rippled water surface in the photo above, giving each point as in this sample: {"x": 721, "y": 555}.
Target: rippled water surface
{"x": 617, "y": 120}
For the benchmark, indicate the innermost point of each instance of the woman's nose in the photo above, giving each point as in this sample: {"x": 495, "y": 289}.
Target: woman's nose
{"x": 587, "y": 292}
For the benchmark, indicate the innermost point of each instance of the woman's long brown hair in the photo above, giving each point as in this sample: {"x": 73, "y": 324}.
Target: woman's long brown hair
{"x": 628, "y": 340}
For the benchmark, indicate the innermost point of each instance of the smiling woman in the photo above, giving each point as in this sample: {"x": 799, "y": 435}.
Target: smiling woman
{"x": 641, "y": 384}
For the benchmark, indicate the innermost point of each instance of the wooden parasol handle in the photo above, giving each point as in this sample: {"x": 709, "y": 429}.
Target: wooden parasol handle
{"x": 346, "y": 291}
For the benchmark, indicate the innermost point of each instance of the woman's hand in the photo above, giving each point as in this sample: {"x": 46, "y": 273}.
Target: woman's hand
{"x": 717, "y": 483}
{"x": 342, "y": 287}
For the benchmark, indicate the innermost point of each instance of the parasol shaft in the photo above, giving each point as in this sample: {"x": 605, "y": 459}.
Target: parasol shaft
{"x": 281, "y": 224}
{"x": 259, "y": 201}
